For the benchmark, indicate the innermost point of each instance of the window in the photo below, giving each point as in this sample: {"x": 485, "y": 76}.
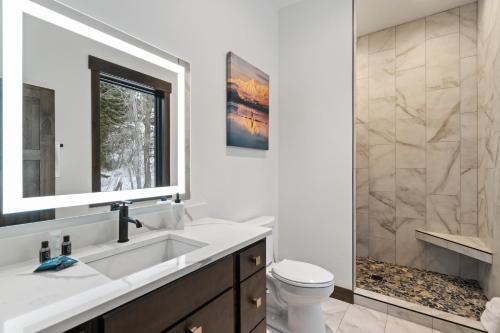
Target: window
{"x": 130, "y": 128}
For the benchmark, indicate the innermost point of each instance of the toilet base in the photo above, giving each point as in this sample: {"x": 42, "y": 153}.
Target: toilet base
{"x": 306, "y": 318}
{"x": 278, "y": 322}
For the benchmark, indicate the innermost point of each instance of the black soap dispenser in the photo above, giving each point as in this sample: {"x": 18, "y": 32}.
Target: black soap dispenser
{"x": 66, "y": 246}
{"x": 44, "y": 253}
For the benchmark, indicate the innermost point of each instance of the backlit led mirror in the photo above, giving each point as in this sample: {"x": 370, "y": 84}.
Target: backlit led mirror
{"x": 90, "y": 115}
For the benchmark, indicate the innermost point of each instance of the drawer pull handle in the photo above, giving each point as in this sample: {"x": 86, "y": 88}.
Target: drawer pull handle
{"x": 257, "y": 260}
{"x": 257, "y": 302}
{"x": 196, "y": 330}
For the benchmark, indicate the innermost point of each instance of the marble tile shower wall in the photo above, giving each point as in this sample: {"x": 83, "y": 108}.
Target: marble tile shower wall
{"x": 416, "y": 139}
{"x": 489, "y": 130}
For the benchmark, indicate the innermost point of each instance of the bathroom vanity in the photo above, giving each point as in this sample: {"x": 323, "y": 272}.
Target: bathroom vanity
{"x": 211, "y": 275}
{"x": 226, "y": 296}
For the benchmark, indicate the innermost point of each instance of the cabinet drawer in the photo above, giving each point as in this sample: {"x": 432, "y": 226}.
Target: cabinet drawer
{"x": 261, "y": 328}
{"x": 88, "y": 327}
{"x": 215, "y": 317}
{"x": 165, "y": 306}
{"x": 252, "y": 259}
{"x": 253, "y": 301}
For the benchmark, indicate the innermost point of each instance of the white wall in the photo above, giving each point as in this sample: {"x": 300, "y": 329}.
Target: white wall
{"x": 315, "y": 162}
{"x": 237, "y": 183}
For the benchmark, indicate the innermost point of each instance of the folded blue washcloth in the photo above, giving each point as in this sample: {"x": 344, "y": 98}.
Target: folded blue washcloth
{"x": 56, "y": 264}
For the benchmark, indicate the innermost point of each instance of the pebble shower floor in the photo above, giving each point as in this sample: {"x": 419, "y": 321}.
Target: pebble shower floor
{"x": 434, "y": 290}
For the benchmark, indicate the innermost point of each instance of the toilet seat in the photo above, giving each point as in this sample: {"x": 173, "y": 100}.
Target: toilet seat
{"x": 301, "y": 274}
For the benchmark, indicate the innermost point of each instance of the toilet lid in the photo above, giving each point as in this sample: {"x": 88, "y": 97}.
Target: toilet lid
{"x": 302, "y": 274}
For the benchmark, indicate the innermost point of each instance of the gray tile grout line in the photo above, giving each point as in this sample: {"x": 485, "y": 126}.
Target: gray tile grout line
{"x": 395, "y": 147}
{"x": 343, "y": 316}
{"x": 460, "y": 124}
{"x": 460, "y": 77}
{"x": 425, "y": 249}
{"x": 386, "y": 318}
{"x": 445, "y": 35}
{"x": 368, "y": 148}
{"x": 477, "y": 121}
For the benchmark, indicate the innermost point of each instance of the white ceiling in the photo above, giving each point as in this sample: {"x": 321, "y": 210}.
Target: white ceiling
{"x": 374, "y": 15}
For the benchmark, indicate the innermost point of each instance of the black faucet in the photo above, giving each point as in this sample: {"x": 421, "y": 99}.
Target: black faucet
{"x": 124, "y": 220}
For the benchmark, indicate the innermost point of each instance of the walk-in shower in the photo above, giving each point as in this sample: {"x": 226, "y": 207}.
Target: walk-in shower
{"x": 426, "y": 156}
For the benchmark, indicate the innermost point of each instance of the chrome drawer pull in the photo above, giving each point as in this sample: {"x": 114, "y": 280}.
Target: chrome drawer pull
{"x": 257, "y": 302}
{"x": 196, "y": 330}
{"x": 257, "y": 260}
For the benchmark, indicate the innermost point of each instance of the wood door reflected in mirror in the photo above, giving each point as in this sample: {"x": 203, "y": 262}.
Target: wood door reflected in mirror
{"x": 38, "y": 141}
{"x": 38, "y": 152}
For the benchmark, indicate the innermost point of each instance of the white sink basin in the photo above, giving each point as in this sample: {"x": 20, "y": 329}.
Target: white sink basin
{"x": 137, "y": 257}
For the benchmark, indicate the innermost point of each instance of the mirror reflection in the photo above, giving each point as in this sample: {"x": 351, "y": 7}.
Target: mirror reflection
{"x": 130, "y": 132}
{"x": 127, "y": 125}
{"x": 95, "y": 119}
{"x": 87, "y": 106}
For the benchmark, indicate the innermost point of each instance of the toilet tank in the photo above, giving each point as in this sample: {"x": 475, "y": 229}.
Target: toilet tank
{"x": 267, "y": 222}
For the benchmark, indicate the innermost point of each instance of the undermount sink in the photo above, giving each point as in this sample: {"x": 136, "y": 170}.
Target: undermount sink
{"x": 136, "y": 257}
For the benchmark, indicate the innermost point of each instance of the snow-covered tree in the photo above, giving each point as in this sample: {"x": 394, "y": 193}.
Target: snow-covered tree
{"x": 127, "y": 138}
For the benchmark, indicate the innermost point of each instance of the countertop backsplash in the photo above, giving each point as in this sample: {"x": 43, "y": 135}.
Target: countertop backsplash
{"x": 22, "y": 245}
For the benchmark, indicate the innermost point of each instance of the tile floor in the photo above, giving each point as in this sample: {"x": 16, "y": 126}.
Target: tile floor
{"x": 437, "y": 291}
{"x": 342, "y": 317}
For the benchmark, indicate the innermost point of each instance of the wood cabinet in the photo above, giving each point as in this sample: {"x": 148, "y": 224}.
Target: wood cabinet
{"x": 251, "y": 260}
{"x": 227, "y": 296}
{"x": 217, "y": 316}
{"x": 252, "y": 301}
{"x": 261, "y": 328}
{"x": 165, "y": 306}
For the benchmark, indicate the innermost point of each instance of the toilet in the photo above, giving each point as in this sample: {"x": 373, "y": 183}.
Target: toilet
{"x": 295, "y": 289}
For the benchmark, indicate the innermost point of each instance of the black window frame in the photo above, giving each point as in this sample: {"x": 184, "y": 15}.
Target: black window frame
{"x": 105, "y": 71}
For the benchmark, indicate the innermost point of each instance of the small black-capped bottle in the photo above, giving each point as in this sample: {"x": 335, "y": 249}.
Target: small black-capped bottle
{"x": 66, "y": 246}
{"x": 44, "y": 254}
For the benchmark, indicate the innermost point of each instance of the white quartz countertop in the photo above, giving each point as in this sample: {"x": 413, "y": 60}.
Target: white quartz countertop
{"x": 57, "y": 301}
